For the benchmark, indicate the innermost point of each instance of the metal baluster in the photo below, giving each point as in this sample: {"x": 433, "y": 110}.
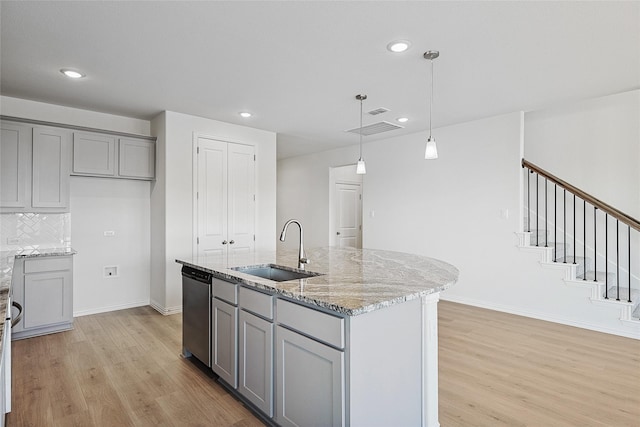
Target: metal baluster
{"x": 537, "y": 227}
{"x": 574, "y": 228}
{"x": 529, "y": 172}
{"x": 564, "y": 226}
{"x": 584, "y": 240}
{"x": 555, "y": 221}
{"x": 606, "y": 255}
{"x": 595, "y": 245}
{"x": 629, "y": 248}
{"x": 546, "y": 202}
{"x": 617, "y": 261}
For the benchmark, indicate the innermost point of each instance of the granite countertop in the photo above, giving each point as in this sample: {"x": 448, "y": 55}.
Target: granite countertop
{"x": 6, "y": 269}
{"x": 352, "y": 281}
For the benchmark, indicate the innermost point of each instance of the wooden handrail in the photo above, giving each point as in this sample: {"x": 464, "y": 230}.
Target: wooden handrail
{"x": 619, "y": 215}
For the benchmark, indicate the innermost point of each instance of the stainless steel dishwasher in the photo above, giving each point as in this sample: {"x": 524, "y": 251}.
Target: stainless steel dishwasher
{"x": 196, "y": 314}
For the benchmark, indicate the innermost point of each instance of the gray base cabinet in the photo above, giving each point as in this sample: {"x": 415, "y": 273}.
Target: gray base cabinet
{"x": 255, "y": 355}
{"x": 224, "y": 331}
{"x": 44, "y": 288}
{"x": 310, "y": 381}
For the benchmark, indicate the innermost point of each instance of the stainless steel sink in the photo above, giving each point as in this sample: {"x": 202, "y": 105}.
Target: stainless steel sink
{"x": 275, "y": 272}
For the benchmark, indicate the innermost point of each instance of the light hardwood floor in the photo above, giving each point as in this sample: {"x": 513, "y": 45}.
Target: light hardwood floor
{"x": 124, "y": 369}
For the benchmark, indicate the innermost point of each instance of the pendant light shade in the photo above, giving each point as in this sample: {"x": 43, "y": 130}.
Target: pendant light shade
{"x": 431, "y": 151}
{"x": 361, "y": 169}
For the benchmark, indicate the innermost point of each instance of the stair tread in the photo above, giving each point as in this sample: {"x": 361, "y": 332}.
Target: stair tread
{"x": 599, "y": 275}
{"x": 624, "y": 293}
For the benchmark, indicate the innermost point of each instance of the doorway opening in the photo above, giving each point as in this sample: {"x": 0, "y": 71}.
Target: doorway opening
{"x": 345, "y": 207}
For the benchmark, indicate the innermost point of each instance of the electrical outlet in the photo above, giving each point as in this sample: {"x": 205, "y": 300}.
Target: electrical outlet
{"x": 13, "y": 240}
{"x": 109, "y": 233}
{"x": 110, "y": 271}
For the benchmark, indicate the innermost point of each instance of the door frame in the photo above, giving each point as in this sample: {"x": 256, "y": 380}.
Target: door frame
{"x": 340, "y": 175}
{"x": 194, "y": 182}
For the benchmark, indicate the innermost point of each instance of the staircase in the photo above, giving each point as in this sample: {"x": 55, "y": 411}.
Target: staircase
{"x": 593, "y": 244}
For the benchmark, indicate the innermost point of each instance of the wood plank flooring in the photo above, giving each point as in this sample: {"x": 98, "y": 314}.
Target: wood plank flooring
{"x": 124, "y": 369}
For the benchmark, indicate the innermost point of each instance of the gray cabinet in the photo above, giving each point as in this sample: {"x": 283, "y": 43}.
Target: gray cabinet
{"x": 310, "y": 367}
{"x": 34, "y": 173}
{"x": 96, "y": 154}
{"x": 44, "y": 288}
{"x": 255, "y": 352}
{"x": 5, "y": 369}
{"x": 224, "y": 331}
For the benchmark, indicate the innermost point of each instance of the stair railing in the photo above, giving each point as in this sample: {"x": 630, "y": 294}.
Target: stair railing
{"x": 578, "y": 195}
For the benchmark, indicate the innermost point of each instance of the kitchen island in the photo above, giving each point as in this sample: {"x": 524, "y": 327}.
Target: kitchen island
{"x": 355, "y": 345}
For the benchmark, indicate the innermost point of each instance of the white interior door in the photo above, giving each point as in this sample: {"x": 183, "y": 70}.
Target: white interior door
{"x": 348, "y": 215}
{"x": 225, "y": 197}
{"x": 212, "y": 196}
{"x": 241, "y": 198}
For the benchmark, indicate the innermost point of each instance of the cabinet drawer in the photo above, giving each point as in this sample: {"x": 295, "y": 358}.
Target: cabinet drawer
{"x": 47, "y": 264}
{"x": 321, "y": 326}
{"x": 256, "y": 302}
{"x": 225, "y": 291}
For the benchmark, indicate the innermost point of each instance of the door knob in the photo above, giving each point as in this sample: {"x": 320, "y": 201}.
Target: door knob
{"x": 231, "y": 242}
{"x": 338, "y": 233}
{"x": 224, "y": 242}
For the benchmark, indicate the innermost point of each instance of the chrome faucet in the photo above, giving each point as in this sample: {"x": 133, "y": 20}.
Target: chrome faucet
{"x": 302, "y": 258}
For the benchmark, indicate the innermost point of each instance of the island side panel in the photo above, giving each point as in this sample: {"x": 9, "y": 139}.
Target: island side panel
{"x": 430, "y": 360}
{"x": 385, "y": 366}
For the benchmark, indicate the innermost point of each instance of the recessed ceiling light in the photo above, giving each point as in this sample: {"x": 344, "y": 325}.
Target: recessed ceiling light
{"x": 402, "y": 119}
{"x": 72, "y": 74}
{"x": 398, "y": 46}
{"x": 245, "y": 114}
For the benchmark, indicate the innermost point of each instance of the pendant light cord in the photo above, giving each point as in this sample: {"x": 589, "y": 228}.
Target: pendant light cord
{"x": 431, "y": 98}
{"x": 360, "y": 127}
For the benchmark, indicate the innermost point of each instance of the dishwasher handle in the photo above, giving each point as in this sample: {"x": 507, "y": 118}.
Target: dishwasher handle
{"x": 18, "y": 318}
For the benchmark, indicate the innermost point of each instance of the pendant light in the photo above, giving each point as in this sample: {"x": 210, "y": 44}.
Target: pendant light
{"x": 431, "y": 151}
{"x": 361, "y": 169}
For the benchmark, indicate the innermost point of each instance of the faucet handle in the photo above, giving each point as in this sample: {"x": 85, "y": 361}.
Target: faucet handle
{"x": 305, "y": 261}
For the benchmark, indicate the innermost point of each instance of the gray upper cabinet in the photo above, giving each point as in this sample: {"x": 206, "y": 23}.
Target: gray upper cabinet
{"x": 96, "y": 154}
{"x": 137, "y": 158}
{"x": 15, "y": 165}
{"x": 34, "y": 173}
{"x": 50, "y": 185}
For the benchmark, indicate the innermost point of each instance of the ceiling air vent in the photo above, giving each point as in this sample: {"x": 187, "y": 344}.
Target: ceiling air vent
{"x": 378, "y": 111}
{"x": 375, "y": 128}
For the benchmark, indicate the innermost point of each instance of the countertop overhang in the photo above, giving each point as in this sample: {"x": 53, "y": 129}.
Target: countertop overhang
{"x": 352, "y": 281}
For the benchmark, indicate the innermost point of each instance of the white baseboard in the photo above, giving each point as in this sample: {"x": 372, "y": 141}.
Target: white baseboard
{"x": 88, "y": 312}
{"x": 623, "y": 331}
{"x": 165, "y": 311}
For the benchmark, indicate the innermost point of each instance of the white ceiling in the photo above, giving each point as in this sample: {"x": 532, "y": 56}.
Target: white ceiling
{"x": 297, "y": 65}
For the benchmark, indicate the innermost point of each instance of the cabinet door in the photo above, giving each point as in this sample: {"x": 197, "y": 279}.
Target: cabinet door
{"x": 48, "y": 299}
{"x": 50, "y": 176}
{"x": 94, "y": 154}
{"x": 241, "y": 198}
{"x": 224, "y": 349}
{"x": 310, "y": 381}
{"x": 137, "y": 158}
{"x": 15, "y": 165}
{"x": 256, "y": 361}
{"x": 212, "y": 196}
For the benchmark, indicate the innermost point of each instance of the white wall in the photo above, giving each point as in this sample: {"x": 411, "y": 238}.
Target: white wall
{"x": 175, "y": 138}
{"x": 98, "y": 205}
{"x": 304, "y": 193}
{"x": 463, "y": 208}
{"x": 121, "y": 206}
{"x": 596, "y": 146}
{"x": 16, "y": 107}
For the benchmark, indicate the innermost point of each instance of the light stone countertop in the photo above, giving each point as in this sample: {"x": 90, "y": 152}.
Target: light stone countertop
{"x": 352, "y": 281}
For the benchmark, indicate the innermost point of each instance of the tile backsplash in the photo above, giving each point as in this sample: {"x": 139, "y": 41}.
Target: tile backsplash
{"x": 27, "y": 231}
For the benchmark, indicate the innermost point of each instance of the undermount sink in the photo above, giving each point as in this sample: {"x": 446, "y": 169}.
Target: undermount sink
{"x": 275, "y": 272}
